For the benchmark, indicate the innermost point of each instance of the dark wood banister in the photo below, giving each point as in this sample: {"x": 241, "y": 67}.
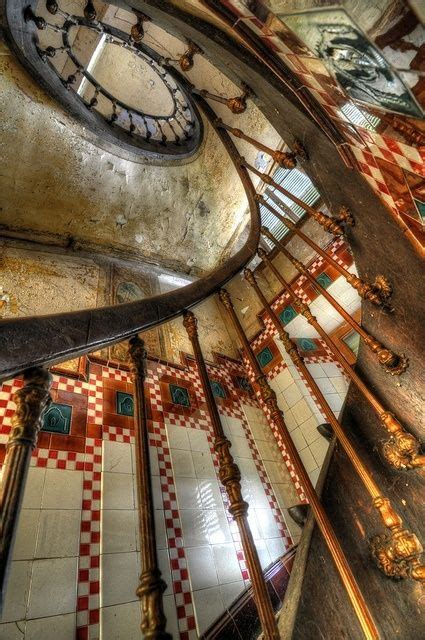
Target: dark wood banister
{"x": 50, "y": 339}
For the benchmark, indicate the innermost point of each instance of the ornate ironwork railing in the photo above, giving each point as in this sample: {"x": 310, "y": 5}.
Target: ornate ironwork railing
{"x": 108, "y": 101}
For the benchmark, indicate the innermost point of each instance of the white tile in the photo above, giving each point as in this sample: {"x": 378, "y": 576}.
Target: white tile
{"x": 188, "y": 494}
{"x": 314, "y": 476}
{"x": 247, "y": 468}
{"x": 13, "y": 630}
{"x": 156, "y": 492}
{"x": 257, "y": 429}
{"x": 208, "y": 607}
{"x": 293, "y": 528}
{"x": 301, "y": 411}
{"x": 284, "y": 379}
{"x": 63, "y": 489}
{"x": 290, "y": 421}
{"x": 281, "y": 401}
{"x": 178, "y": 437}
{"x": 182, "y": 463}
{"x": 334, "y": 401}
{"x": 202, "y": 573}
{"x": 273, "y": 470}
{"x": 117, "y": 491}
{"x": 316, "y": 371}
{"x": 153, "y": 456}
{"x": 319, "y": 449}
{"x": 194, "y": 525}
{"x": 266, "y": 523}
{"x": 160, "y": 532}
{"x": 253, "y": 492}
{"x": 325, "y": 385}
{"x": 235, "y": 427}
{"x": 63, "y": 627}
{"x": 170, "y": 612}
{"x": 58, "y": 534}
{"x": 198, "y": 440}
{"x": 17, "y": 591}
{"x": 210, "y": 493}
{"x": 292, "y": 394}
{"x": 286, "y": 494}
{"x": 26, "y": 536}
{"x": 330, "y": 369}
{"x": 203, "y": 464}
{"x": 34, "y": 488}
{"x": 226, "y": 563}
{"x": 268, "y": 451}
{"x": 53, "y": 587}
{"x": 263, "y": 553}
{"x": 241, "y": 448}
{"x": 118, "y": 530}
{"x": 229, "y": 592}
{"x": 298, "y": 439}
{"x": 293, "y": 371}
{"x": 276, "y": 548}
{"x": 308, "y": 459}
{"x": 309, "y": 430}
{"x": 116, "y": 457}
{"x": 340, "y": 384}
{"x": 164, "y": 567}
{"x": 119, "y": 577}
{"x": 120, "y": 621}
{"x": 217, "y": 526}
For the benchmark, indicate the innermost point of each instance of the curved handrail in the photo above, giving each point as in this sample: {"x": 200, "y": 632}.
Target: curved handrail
{"x": 47, "y": 340}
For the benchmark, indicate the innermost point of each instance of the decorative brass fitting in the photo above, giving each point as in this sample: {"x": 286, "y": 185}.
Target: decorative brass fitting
{"x": 402, "y": 450}
{"x": 345, "y": 215}
{"x": 398, "y": 552}
{"x": 238, "y": 104}
{"x": 137, "y": 30}
{"x": 392, "y": 362}
{"x": 186, "y": 59}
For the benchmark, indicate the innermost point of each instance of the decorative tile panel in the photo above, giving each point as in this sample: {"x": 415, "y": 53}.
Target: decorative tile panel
{"x": 264, "y": 357}
{"x": 57, "y": 418}
{"x": 324, "y": 280}
{"x": 217, "y": 389}
{"x": 287, "y": 314}
{"x": 179, "y": 395}
{"x": 125, "y": 403}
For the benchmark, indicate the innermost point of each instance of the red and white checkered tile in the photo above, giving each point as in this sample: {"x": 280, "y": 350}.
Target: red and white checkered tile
{"x": 95, "y": 399}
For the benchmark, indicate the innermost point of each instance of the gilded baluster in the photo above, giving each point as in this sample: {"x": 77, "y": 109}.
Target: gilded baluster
{"x": 31, "y": 400}
{"x": 186, "y": 61}
{"x": 236, "y": 105}
{"x": 392, "y": 362}
{"x": 403, "y": 449}
{"x": 378, "y": 292}
{"x": 230, "y": 477}
{"x": 151, "y": 585}
{"x": 269, "y": 398}
{"x": 397, "y": 535}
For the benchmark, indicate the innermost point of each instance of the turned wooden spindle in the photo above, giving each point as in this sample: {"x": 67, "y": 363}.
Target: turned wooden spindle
{"x": 393, "y": 363}
{"x": 330, "y": 224}
{"x": 230, "y": 477}
{"x": 397, "y": 552}
{"x": 282, "y": 158}
{"x": 323, "y": 522}
{"x": 30, "y": 400}
{"x": 378, "y": 292}
{"x": 403, "y": 450}
{"x": 151, "y": 585}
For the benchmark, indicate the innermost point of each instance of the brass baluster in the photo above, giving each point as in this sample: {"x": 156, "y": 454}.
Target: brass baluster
{"x": 186, "y": 59}
{"x": 399, "y": 550}
{"x": 151, "y": 586}
{"x": 269, "y": 397}
{"x": 393, "y": 363}
{"x": 378, "y": 292}
{"x": 236, "y": 105}
{"x": 282, "y": 158}
{"x": 137, "y": 31}
{"x": 403, "y": 450}
{"x": 30, "y": 401}
{"x": 230, "y": 477}
{"x": 330, "y": 224}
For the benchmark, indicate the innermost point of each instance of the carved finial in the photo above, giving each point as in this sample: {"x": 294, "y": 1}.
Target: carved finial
{"x": 249, "y": 276}
{"x": 138, "y": 355}
{"x": 186, "y": 60}
{"x": 225, "y": 298}
{"x": 190, "y": 323}
{"x": 30, "y": 401}
{"x": 89, "y": 11}
{"x": 137, "y": 30}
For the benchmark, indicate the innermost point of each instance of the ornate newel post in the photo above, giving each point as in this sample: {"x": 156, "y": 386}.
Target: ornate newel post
{"x": 30, "y": 401}
{"x": 151, "y": 586}
{"x": 269, "y": 397}
{"x": 230, "y": 477}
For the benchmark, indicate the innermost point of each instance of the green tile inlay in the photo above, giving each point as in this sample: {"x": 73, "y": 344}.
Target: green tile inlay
{"x": 217, "y": 389}
{"x": 287, "y": 314}
{"x": 352, "y": 340}
{"x": 180, "y": 395}
{"x": 265, "y": 356}
{"x": 306, "y": 344}
{"x": 125, "y": 404}
{"x": 324, "y": 280}
{"x": 57, "y": 418}
{"x": 420, "y": 207}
